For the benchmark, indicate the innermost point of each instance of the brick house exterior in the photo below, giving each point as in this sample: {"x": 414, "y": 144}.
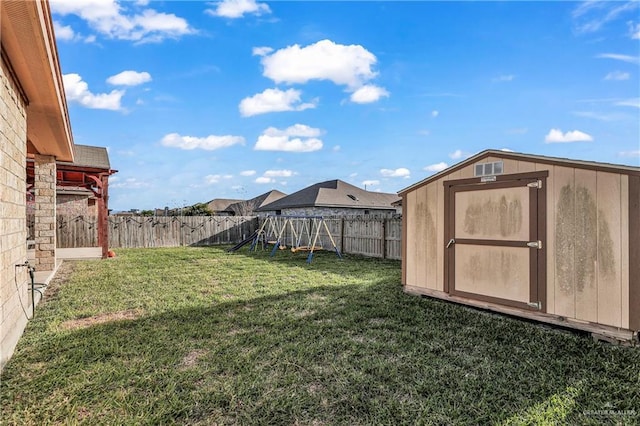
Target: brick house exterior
{"x": 34, "y": 124}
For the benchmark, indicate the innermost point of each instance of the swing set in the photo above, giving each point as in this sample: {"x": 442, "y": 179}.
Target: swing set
{"x": 301, "y": 232}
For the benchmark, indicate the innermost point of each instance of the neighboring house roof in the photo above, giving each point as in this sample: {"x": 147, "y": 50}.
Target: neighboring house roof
{"x": 333, "y": 193}
{"x": 566, "y": 162}
{"x": 95, "y": 157}
{"x": 221, "y": 204}
{"x": 249, "y": 207}
{"x": 268, "y": 197}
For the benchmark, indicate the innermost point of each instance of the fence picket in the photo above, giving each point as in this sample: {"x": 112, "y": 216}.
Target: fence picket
{"x": 372, "y": 237}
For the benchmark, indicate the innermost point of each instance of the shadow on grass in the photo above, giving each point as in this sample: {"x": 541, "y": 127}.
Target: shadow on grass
{"x": 353, "y": 354}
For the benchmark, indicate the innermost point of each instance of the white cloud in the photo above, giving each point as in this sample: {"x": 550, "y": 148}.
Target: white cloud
{"x": 401, "y": 172}
{"x": 336, "y": 148}
{"x": 619, "y": 57}
{"x": 437, "y": 167}
{"x": 129, "y": 78}
{"x": 366, "y": 183}
{"x": 617, "y": 75}
{"x": 273, "y": 100}
{"x": 368, "y": 94}
{"x": 633, "y": 102}
{"x": 63, "y": 32}
{"x": 634, "y": 30}
{"x": 630, "y": 154}
{"x": 212, "y": 179}
{"x": 278, "y": 173}
{"x": 352, "y": 175}
{"x": 325, "y": 60}
{"x": 238, "y": 8}
{"x": 209, "y": 143}
{"x": 263, "y": 180}
{"x": 556, "y": 136}
{"x": 591, "y": 16}
{"x": 77, "y": 90}
{"x": 129, "y": 183}
{"x": 458, "y": 154}
{"x": 297, "y": 138}
{"x": 261, "y": 51}
{"x": 113, "y": 20}
{"x": 435, "y": 113}
{"x": 247, "y": 173}
{"x": 503, "y": 78}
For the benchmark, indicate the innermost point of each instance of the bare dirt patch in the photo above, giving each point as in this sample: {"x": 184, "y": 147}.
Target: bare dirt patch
{"x": 129, "y": 314}
{"x": 192, "y": 358}
{"x": 62, "y": 275}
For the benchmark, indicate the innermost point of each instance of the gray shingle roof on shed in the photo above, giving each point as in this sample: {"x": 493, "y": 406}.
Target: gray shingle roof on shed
{"x": 90, "y": 156}
{"x": 333, "y": 193}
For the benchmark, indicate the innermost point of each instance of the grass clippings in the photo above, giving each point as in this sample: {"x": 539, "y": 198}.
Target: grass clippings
{"x": 215, "y": 338}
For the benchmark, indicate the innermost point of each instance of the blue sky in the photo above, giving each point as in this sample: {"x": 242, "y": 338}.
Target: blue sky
{"x": 198, "y": 100}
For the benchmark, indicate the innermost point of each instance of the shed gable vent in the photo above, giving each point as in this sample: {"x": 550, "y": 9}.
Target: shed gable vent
{"x": 489, "y": 169}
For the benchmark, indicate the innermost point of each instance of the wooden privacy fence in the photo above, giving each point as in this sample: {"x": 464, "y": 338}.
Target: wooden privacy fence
{"x": 372, "y": 237}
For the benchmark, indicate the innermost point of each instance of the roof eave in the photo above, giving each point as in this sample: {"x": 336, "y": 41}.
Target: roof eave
{"x": 29, "y": 48}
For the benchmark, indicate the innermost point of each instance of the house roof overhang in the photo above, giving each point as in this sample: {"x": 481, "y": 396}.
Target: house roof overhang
{"x": 29, "y": 49}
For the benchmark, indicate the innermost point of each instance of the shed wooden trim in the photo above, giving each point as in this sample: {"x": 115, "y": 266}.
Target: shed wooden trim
{"x": 634, "y": 252}
{"x": 618, "y": 334}
{"x": 565, "y": 162}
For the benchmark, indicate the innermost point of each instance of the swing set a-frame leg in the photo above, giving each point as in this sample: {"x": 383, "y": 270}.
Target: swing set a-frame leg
{"x": 335, "y": 247}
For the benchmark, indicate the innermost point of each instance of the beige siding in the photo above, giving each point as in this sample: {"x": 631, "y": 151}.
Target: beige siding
{"x": 562, "y": 226}
{"x": 586, "y": 220}
{"x": 13, "y": 227}
{"x": 609, "y": 249}
{"x": 624, "y": 245}
{"x": 410, "y": 210}
{"x": 440, "y": 243}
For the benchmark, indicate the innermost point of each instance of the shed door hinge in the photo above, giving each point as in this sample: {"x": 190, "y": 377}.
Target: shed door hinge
{"x": 536, "y": 184}
{"x": 535, "y": 244}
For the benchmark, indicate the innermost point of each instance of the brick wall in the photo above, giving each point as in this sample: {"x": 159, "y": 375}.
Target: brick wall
{"x": 13, "y": 228}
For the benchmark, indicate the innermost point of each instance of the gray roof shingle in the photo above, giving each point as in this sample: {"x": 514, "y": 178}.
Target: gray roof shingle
{"x": 333, "y": 193}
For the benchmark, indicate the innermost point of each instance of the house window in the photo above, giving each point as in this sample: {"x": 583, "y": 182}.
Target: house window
{"x": 367, "y": 212}
{"x": 278, "y": 212}
{"x": 489, "y": 169}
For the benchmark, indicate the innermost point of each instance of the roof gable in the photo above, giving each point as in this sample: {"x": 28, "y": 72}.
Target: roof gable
{"x": 508, "y": 155}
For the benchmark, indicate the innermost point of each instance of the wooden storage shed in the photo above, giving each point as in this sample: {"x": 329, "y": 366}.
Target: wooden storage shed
{"x": 550, "y": 239}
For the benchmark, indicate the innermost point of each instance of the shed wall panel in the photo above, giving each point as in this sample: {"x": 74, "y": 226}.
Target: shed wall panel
{"x": 439, "y": 185}
{"x": 586, "y": 240}
{"x": 609, "y": 249}
{"x": 624, "y": 239}
{"x": 421, "y": 237}
{"x": 412, "y": 258}
{"x": 563, "y": 232}
{"x": 431, "y": 240}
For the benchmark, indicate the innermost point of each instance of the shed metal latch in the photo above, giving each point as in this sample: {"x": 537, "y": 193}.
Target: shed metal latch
{"x": 536, "y": 305}
{"x": 536, "y": 184}
{"x": 451, "y": 241}
{"x": 535, "y": 244}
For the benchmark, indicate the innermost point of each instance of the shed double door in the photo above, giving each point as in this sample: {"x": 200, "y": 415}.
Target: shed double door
{"x": 495, "y": 240}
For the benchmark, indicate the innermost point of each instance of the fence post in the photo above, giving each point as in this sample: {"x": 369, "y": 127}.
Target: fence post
{"x": 384, "y": 238}
{"x": 342, "y": 234}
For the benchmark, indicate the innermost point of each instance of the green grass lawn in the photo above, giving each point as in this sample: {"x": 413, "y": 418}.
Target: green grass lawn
{"x": 198, "y": 336}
